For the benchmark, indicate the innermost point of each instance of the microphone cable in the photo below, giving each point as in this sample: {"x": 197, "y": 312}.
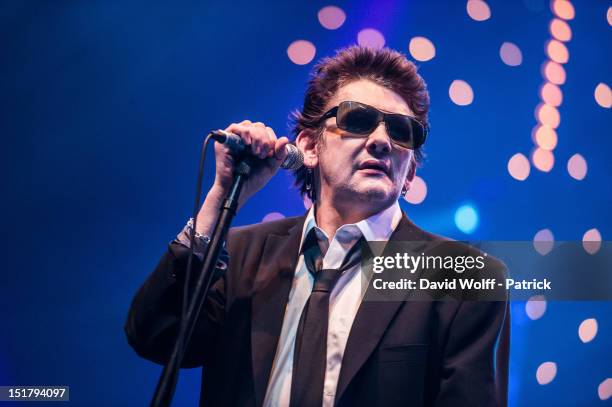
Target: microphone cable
{"x": 196, "y": 209}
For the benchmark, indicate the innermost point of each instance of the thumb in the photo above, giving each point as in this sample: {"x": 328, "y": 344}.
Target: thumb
{"x": 280, "y": 151}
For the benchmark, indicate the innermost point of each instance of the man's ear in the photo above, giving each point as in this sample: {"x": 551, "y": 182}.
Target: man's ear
{"x": 306, "y": 142}
{"x": 411, "y": 174}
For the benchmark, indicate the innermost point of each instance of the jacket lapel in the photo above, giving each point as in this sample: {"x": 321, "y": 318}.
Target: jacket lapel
{"x": 271, "y": 292}
{"x": 372, "y": 319}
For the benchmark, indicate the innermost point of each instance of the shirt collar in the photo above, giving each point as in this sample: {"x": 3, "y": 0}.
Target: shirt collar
{"x": 377, "y": 227}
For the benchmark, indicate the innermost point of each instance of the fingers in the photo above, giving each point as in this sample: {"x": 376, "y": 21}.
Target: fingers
{"x": 280, "y": 152}
{"x": 261, "y": 138}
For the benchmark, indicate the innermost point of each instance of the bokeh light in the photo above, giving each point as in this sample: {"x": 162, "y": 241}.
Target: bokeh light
{"x": 466, "y": 219}
{"x": 557, "y": 51}
{"x": 587, "y": 330}
{"x": 272, "y": 216}
{"x": 563, "y": 9}
{"x": 519, "y": 167}
{"x": 548, "y": 115}
{"x": 543, "y": 160}
{"x": 535, "y": 307}
{"x": 577, "y": 167}
{"x": 546, "y": 137}
{"x": 331, "y": 17}
{"x": 591, "y": 241}
{"x": 546, "y": 372}
{"x": 301, "y": 52}
{"x": 551, "y": 94}
{"x": 461, "y": 92}
{"x": 478, "y": 10}
{"x": 610, "y": 15}
{"x": 543, "y": 241}
{"x": 604, "y": 390}
{"x": 553, "y": 72}
{"x": 421, "y": 49}
{"x": 417, "y": 192}
{"x": 560, "y": 30}
{"x": 369, "y": 37}
{"x": 510, "y": 54}
{"x": 603, "y": 97}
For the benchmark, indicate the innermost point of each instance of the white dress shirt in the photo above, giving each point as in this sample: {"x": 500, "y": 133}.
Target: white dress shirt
{"x": 344, "y": 302}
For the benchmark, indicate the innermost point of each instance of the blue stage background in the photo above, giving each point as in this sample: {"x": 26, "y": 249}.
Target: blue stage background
{"x": 105, "y": 104}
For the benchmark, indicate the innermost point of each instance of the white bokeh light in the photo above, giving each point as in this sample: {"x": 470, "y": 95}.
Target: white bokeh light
{"x": 331, "y": 17}
{"x": 461, "y": 92}
{"x": 543, "y": 241}
{"x": 536, "y": 307}
{"x": 417, "y": 192}
{"x": 272, "y": 216}
{"x": 301, "y": 52}
{"x": 370, "y": 37}
{"x": 577, "y": 167}
{"x": 604, "y": 390}
{"x": 546, "y": 372}
{"x": 519, "y": 167}
{"x": 591, "y": 241}
{"x": 587, "y": 331}
{"x": 510, "y": 54}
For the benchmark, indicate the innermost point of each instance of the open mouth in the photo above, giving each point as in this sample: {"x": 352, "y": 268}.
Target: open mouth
{"x": 374, "y": 167}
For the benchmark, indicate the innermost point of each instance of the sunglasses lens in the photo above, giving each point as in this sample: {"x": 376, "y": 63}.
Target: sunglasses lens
{"x": 405, "y": 131}
{"x": 356, "y": 118}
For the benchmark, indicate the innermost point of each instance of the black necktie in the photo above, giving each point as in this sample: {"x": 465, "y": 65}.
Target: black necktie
{"x": 310, "y": 356}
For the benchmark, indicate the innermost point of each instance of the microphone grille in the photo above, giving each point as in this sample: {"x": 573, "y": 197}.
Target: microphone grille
{"x": 295, "y": 158}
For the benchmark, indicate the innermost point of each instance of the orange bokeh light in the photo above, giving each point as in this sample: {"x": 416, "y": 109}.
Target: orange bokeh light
{"x": 551, "y": 94}
{"x": 543, "y": 160}
{"x": 421, "y": 49}
{"x": 478, "y": 10}
{"x": 548, "y": 115}
{"x": 563, "y": 9}
{"x": 546, "y": 138}
{"x": 560, "y": 30}
{"x": 603, "y": 96}
{"x": 557, "y": 51}
{"x": 553, "y": 72}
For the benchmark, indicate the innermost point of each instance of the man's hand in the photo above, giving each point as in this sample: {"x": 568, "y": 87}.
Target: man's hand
{"x": 264, "y": 145}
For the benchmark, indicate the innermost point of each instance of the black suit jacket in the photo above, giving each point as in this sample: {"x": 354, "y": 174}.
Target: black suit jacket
{"x": 411, "y": 353}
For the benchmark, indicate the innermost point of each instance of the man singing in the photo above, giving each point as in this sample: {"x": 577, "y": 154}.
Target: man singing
{"x": 285, "y": 323}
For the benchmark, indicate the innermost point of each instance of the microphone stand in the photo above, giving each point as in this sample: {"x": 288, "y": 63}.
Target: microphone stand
{"x": 167, "y": 382}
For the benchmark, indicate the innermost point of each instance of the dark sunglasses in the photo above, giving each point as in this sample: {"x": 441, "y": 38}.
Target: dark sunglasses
{"x": 359, "y": 118}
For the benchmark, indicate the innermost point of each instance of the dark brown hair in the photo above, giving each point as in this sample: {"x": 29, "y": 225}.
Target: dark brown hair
{"x": 385, "y": 67}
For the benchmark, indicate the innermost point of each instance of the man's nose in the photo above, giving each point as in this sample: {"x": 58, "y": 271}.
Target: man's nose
{"x": 378, "y": 140}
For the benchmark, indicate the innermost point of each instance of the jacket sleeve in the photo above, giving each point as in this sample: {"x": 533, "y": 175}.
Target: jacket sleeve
{"x": 154, "y": 316}
{"x": 475, "y": 361}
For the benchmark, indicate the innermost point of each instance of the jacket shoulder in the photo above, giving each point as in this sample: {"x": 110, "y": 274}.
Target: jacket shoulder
{"x": 444, "y": 245}
{"x": 263, "y": 229}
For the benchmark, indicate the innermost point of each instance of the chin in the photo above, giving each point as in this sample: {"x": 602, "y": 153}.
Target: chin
{"x": 376, "y": 194}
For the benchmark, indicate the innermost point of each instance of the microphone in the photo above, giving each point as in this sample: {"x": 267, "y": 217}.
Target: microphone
{"x": 293, "y": 161}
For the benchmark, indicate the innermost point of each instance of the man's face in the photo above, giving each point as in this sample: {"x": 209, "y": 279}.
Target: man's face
{"x": 364, "y": 169}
